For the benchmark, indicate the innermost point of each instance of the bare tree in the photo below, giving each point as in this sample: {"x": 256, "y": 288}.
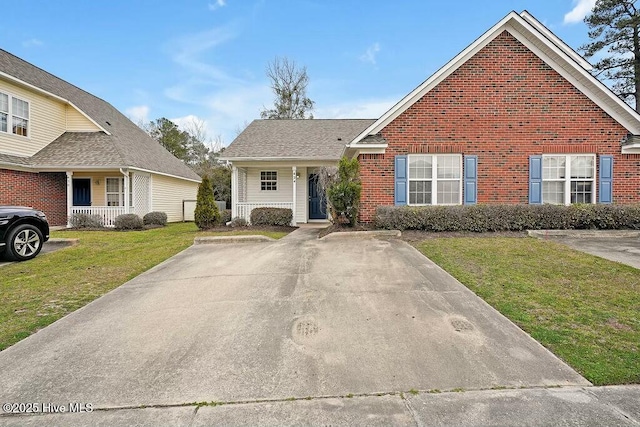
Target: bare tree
{"x": 289, "y": 83}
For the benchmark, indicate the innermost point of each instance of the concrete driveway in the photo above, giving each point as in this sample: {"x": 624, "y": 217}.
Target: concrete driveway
{"x": 299, "y": 317}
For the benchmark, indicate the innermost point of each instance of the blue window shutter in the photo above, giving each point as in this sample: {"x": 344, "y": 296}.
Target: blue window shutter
{"x": 400, "y": 188}
{"x": 470, "y": 180}
{"x": 535, "y": 180}
{"x": 606, "y": 179}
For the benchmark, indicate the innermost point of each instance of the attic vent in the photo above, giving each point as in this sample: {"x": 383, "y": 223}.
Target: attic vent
{"x": 108, "y": 123}
{"x": 339, "y": 139}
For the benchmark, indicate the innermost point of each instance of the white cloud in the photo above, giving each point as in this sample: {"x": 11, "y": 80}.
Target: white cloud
{"x": 362, "y": 109}
{"x": 580, "y": 9}
{"x": 209, "y": 90}
{"x": 217, "y": 4}
{"x": 370, "y": 54}
{"x": 138, "y": 113}
{"x": 32, "y": 43}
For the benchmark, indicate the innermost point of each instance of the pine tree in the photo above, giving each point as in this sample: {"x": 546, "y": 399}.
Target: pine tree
{"x": 207, "y": 214}
{"x": 614, "y": 27}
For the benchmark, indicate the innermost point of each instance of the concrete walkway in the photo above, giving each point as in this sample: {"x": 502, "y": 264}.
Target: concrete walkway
{"x": 342, "y": 326}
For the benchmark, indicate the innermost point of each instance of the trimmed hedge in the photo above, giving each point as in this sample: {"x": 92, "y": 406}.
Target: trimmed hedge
{"x": 271, "y": 216}
{"x": 81, "y": 220}
{"x": 238, "y": 222}
{"x": 128, "y": 222}
{"x": 155, "y": 218}
{"x": 225, "y": 216}
{"x": 483, "y": 218}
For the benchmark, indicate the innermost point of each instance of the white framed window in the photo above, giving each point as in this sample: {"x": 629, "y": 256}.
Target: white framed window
{"x": 14, "y": 115}
{"x": 435, "y": 179}
{"x": 568, "y": 179}
{"x": 269, "y": 180}
{"x": 114, "y": 188}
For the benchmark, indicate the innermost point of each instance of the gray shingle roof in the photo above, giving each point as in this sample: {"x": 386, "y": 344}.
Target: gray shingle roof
{"x": 14, "y": 160}
{"x": 127, "y": 146}
{"x": 299, "y": 139}
{"x": 373, "y": 139}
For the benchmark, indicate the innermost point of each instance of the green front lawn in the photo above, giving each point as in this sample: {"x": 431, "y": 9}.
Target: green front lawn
{"x": 38, "y": 292}
{"x": 583, "y": 308}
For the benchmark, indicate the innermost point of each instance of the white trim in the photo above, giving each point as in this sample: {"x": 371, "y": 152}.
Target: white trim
{"x": 367, "y": 150}
{"x": 294, "y": 171}
{"x": 10, "y": 114}
{"x": 530, "y": 34}
{"x": 69, "y": 197}
{"x": 567, "y": 176}
{"x": 279, "y": 159}
{"x": 556, "y": 40}
{"x": 133, "y": 168}
{"x": 268, "y": 180}
{"x": 51, "y": 95}
{"x": 434, "y": 178}
{"x": 234, "y": 192}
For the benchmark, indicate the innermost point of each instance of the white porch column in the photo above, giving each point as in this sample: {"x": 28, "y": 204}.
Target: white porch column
{"x": 234, "y": 192}
{"x": 69, "y": 197}
{"x": 295, "y": 192}
{"x": 125, "y": 172}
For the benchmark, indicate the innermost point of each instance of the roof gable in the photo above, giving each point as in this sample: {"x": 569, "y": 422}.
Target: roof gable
{"x": 544, "y": 44}
{"x": 120, "y": 135}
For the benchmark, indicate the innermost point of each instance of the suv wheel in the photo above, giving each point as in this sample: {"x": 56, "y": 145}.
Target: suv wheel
{"x": 24, "y": 242}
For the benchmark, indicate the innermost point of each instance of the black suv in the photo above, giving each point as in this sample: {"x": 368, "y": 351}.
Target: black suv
{"x": 23, "y": 231}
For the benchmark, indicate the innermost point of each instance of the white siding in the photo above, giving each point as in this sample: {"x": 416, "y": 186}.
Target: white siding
{"x": 168, "y": 194}
{"x": 302, "y": 189}
{"x": 284, "y": 192}
{"x": 76, "y": 122}
{"x": 46, "y": 122}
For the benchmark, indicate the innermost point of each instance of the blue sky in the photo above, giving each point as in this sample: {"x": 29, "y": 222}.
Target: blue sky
{"x": 207, "y": 58}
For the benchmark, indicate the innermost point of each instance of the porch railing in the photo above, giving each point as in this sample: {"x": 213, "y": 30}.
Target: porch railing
{"x": 107, "y": 213}
{"x": 244, "y": 209}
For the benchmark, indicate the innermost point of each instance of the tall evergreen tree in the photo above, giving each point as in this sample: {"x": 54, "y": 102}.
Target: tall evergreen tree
{"x": 614, "y": 27}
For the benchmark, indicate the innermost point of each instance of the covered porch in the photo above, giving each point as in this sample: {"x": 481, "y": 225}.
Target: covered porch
{"x": 108, "y": 193}
{"x": 278, "y": 185}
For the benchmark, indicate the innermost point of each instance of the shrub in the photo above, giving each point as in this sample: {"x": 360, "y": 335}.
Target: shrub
{"x": 271, "y": 216}
{"x": 128, "y": 222}
{"x": 225, "y": 216}
{"x": 155, "y": 218}
{"x": 343, "y": 194}
{"x": 206, "y": 213}
{"x": 81, "y": 220}
{"x": 239, "y": 222}
{"x": 483, "y": 218}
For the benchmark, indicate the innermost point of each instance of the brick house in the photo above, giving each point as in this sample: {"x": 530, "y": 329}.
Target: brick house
{"x": 516, "y": 117}
{"x": 65, "y": 151}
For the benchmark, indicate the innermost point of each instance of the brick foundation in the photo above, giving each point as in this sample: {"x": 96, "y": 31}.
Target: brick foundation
{"x": 46, "y": 191}
{"x": 503, "y": 105}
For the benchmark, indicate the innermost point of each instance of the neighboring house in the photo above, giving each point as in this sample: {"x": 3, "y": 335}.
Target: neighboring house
{"x": 516, "y": 117}
{"x": 275, "y": 164}
{"x": 65, "y": 151}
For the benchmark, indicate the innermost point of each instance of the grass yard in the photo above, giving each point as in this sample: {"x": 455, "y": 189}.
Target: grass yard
{"x": 38, "y": 292}
{"x": 583, "y": 308}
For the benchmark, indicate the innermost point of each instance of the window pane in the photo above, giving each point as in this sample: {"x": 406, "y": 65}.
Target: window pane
{"x": 20, "y": 108}
{"x": 19, "y": 126}
{"x": 581, "y": 191}
{"x": 553, "y": 192}
{"x": 3, "y": 122}
{"x": 582, "y": 167}
{"x": 4, "y": 103}
{"x": 448, "y": 167}
{"x": 420, "y": 192}
{"x": 113, "y": 185}
{"x": 420, "y": 167}
{"x": 448, "y": 192}
{"x": 553, "y": 167}
{"x": 113, "y": 199}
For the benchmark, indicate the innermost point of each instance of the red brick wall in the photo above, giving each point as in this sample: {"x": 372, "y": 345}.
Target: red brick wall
{"x": 46, "y": 191}
{"x": 503, "y": 105}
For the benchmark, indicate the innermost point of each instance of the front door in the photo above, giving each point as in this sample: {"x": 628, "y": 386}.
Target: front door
{"x": 316, "y": 206}
{"x": 81, "y": 191}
